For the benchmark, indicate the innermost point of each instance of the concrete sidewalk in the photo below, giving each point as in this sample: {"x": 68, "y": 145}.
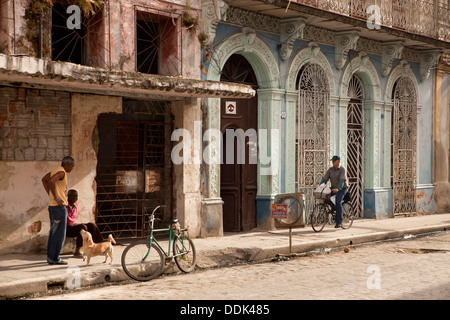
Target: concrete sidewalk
{"x": 22, "y": 275}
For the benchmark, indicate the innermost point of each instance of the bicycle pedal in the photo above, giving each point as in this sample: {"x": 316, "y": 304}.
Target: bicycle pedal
{"x": 168, "y": 260}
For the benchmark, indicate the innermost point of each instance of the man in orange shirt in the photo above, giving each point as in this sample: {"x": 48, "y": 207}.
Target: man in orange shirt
{"x": 55, "y": 184}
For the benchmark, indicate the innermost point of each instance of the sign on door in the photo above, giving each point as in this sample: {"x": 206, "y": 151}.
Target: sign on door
{"x": 230, "y": 107}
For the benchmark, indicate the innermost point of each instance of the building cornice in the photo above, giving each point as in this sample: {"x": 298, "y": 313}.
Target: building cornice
{"x": 38, "y": 73}
{"x": 262, "y": 22}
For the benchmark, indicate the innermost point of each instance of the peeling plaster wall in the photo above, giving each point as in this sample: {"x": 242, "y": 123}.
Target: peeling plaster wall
{"x": 85, "y": 111}
{"x": 34, "y": 136}
{"x": 24, "y": 222}
{"x": 187, "y": 176}
{"x": 441, "y": 139}
{"x": 123, "y": 39}
{"x": 23, "y": 204}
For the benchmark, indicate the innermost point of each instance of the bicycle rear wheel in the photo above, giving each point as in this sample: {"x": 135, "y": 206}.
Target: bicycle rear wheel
{"x": 319, "y": 217}
{"x": 183, "y": 244}
{"x": 347, "y": 215}
{"x": 139, "y": 265}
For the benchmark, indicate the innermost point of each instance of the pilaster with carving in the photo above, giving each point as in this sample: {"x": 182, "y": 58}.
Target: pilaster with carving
{"x": 344, "y": 42}
{"x": 343, "y": 105}
{"x": 389, "y": 51}
{"x": 387, "y": 161}
{"x": 290, "y": 138}
{"x": 333, "y": 134}
{"x": 428, "y": 59}
{"x": 212, "y": 153}
{"x": 372, "y": 136}
{"x": 213, "y": 11}
{"x": 269, "y": 120}
{"x": 290, "y": 30}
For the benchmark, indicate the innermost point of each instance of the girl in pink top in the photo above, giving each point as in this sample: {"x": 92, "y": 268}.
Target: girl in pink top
{"x": 73, "y": 229}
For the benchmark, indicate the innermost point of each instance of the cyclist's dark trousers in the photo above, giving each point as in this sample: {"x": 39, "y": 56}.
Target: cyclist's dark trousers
{"x": 339, "y": 197}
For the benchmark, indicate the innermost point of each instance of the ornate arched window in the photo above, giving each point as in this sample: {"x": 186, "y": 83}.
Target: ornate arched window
{"x": 312, "y": 130}
{"x": 404, "y": 137}
{"x": 355, "y": 144}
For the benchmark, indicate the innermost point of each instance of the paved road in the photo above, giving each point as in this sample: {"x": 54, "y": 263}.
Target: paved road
{"x": 416, "y": 268}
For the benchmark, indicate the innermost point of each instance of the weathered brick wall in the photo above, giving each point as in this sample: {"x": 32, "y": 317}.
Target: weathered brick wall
{"x": 34, "y": 124}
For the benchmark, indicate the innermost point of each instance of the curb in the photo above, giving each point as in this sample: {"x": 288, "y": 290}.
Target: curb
{"x": 205, "y": 260}
{"x": 268, "y": 253}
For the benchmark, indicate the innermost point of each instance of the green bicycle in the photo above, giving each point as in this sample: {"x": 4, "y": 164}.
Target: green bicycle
{"x": 144, "y": 260}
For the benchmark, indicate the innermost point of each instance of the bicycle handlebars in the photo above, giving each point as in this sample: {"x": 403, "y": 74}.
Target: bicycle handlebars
{"x": 152, "y": 216}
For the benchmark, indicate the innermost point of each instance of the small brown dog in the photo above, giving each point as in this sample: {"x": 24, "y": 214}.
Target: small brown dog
{"x": 91, "y": 249}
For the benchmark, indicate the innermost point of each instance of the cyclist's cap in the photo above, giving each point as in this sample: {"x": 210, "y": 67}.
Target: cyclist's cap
{"x": 335, "y": 158}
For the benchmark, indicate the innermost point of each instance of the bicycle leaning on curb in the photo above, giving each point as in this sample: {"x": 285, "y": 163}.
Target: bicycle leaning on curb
{"x": 325, "y": 211}
{"x": 144, "y": 260}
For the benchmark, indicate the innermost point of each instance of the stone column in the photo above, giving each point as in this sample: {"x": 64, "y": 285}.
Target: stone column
{"x": 290, "y": 138}
{"x": 212, "y": 211}
{"x": 332, "y": 126}
{"x": 342, "y": 146}
{"x": 387, "y": 162}
{"x": 376, "y": 199}
{"x": 187, "y": 174}
{"x": 441, "y": 139}
{"x": 269, "y": 156}
{"x": 372, "y": 150}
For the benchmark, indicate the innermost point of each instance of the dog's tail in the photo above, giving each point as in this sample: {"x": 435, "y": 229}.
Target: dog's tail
{"x": 111, "y": 239}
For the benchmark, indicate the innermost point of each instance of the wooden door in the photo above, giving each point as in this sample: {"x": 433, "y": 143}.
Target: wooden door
{"x": 238, "y": 183}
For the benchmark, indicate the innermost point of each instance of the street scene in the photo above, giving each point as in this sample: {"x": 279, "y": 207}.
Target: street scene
{"x": 409, "y": 269}
{"x": 265, "y": 150}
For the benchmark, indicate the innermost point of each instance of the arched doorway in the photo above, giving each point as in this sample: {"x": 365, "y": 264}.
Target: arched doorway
{"x": 238, "y": 179}
{"x": 312, "y": 130}
{"x": 404, "y": 137}
{"x": 355, "y": 144}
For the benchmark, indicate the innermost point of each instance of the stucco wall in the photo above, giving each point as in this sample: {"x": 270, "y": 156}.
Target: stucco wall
{"x": 85, "y": 110}
{"x": 23, "y": 204}
{"x": 24, "y": 222}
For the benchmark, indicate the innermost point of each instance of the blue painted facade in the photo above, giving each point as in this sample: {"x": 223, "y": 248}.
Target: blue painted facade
{"x": 378, "y": 198}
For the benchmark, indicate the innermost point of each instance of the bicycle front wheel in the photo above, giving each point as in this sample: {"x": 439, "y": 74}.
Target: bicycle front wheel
{"x": 141, "y": 262}
{"x": 347, "y": 215}
{"x": 319, "y": 217}
{"x": 184, "y": 253}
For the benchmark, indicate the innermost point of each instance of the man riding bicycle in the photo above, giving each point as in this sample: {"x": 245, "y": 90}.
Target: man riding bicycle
{"x": 338, "y": 178}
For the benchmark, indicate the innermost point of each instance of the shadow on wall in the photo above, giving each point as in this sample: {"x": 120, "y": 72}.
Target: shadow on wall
{"x": 441, "y": 196}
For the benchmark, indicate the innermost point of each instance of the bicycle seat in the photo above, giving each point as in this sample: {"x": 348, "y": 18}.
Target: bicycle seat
{"x": 174, "y": 221}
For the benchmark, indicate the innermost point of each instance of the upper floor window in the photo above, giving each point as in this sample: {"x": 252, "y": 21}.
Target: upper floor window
{"x": 157, "y": 44}
{"x": 78, "y": 36}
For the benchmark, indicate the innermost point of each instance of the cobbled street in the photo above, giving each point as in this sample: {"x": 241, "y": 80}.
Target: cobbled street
{"x": 410, "y": 269}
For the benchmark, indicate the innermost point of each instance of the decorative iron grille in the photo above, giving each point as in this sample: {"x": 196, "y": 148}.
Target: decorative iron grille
{"x": 312, "y": 130}
{"x": 87, "y": 43}
{"x": 355, "y": 144}
{"x": 404, "y": 130}
{"x": 134, "y": 167}
{"x": 158, "y": 41}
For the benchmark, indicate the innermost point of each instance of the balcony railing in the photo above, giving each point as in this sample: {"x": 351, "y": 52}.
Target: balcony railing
{"x": 429, "y": 18}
